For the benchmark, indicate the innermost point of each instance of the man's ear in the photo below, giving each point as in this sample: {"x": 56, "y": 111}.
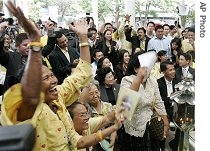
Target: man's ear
{"x": 164, "y": 72}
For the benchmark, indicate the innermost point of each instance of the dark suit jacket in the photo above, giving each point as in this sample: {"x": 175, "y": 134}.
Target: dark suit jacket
{"x": 118, "y": 73}
{"x": 13, "y": 63}
{"x": 92, "y": 49}
{"x": 164, "y": 95}
{"x": 113, "y": 56}
{"x": 61, "y": 67}
{"x": 135, "y": 41}
{"x": 104, "y": 96}
{"x": 179, "y": 73}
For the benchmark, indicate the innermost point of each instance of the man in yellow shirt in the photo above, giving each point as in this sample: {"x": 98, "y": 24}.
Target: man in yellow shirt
{"x": 189, "y": 43}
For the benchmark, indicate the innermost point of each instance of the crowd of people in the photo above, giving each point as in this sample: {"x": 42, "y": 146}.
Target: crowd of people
{"x": 67, "y": 88}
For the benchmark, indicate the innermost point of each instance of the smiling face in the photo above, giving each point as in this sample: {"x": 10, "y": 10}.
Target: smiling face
{"x": 106, "y": 63}
{"x": 109, "y": 79}
{"x": 93, "y": 95}
{"x": 183, "y": 62}
{"x": 80, "y": 118}
{"x": 62, "y": 42}
{"x": 108, "y": 34}
{"x": 23, "y": 48}
{"x": 49, "y": 82}
{"x": 99, "y": 55}
{"x": 7, "y": 41}
{"x": 141, "y": 34}
{"x": 170, "y": 72}
{"x": 126, "y": 57}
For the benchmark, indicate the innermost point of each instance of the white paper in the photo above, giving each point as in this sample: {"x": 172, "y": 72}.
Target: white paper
{"x": 129, "y": 98}
{"x": 148, "y": 60}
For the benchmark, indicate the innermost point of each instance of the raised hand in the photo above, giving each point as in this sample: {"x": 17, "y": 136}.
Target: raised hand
{"x": 127, "y": 17}
{"x": 27, "y": 25}
{"x": 80, "y": 28}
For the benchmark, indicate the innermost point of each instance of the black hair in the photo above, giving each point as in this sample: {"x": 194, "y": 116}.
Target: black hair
{"x": 107, "y": 24}
{"x": 91, "y": 29}
{"x": 163, "y": 65}
{"x": 133, "y": 64}
{"x": 59, "y": 33}
{"x": 191, "y": 30}
{"x": 121, "y": 55}
{"x": 166, "y": 25}
{"x": 172, "y": 27}
{"x": 100, "y": 62}
{"x": 20, "y": 38}
{"x": 10, "y": 21}
{"x": 178, "y": 41}
{"x": 150, "y": 22}
{"x": 158, "y": 27}
{"x": 95, "y": 51}
{"x": 101, "y": 74}
{"x": 187, "y": 56}
{"x": 142, "y": 28}
{"x": 161, "y": 53}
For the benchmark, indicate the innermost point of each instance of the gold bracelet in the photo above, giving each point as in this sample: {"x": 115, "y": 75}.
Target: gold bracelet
{"x": 100, "y": 135}
{"x": 84, "y": 44}
{"x": 36, "y": 44}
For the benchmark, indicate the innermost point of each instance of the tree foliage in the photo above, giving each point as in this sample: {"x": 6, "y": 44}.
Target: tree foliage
{"x": 1, "y": 4}
{"x": 107, "y": 8}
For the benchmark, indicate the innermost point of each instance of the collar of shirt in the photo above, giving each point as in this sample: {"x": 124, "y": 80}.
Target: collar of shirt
{"x": 143, "y": 39}
{"x": 186, "y": 68}
{"x": 164, "y": 37}
{"x": 168, "y": 82}
{"x": 63, "y": 50}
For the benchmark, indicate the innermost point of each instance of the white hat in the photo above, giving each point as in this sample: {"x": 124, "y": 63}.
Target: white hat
{"x": 148, "y": 60}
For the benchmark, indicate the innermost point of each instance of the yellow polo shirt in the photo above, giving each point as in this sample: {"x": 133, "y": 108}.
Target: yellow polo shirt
{"x": 54, "y": 132}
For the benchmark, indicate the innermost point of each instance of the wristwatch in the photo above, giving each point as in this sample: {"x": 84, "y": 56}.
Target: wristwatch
{"x": 36, "y": 48}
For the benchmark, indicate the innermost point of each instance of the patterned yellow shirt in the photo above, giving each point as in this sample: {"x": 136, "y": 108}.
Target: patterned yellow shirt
{"x": 54, "y": 131}
{"x": 186, "y": 46}
{"x": 93, "y": 126}
{"x": 106, "y": 108}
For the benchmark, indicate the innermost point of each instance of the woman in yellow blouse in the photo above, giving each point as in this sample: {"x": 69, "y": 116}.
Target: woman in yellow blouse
{"x": 86, "y": 126}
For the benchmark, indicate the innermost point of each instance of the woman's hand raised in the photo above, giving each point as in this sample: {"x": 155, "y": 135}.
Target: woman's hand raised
{"x": 28, "y": 26}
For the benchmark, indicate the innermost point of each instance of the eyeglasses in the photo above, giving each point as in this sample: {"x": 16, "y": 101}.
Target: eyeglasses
{"x": 94, "y": 93}
{"x": 83, "y": 115}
